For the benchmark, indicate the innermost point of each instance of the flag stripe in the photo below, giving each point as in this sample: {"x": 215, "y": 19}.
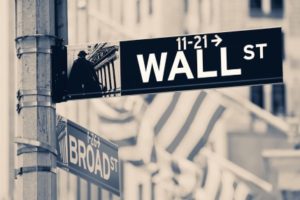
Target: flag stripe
{"x": 137, "y": 162}
{"x": 131, "y": 141}
{"x": 104, "y": 108}
{"x": 209, "y": 128}
{"x": 118, "y": 110}
{"x": 127, "y": 119}
{"x": 177, "y": 119}
{"x": 189, "y": 120}
{"x": 165, "y": 116}
{"x": 117, "y": 131}
{"x": 197, "y": 128}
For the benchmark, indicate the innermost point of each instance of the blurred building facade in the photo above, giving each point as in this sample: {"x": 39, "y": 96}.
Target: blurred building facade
{"x": 113, "y": 20}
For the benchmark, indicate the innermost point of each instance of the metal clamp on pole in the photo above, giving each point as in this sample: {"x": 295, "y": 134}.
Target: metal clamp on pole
{"x": 39, "y": 92}
{"x": 24, "y": 170}
{"x": 21, "y": 51}
{"x": 34, "y": 146}
{"x": 31, "y": 104}
{"x": 37, "y": 36}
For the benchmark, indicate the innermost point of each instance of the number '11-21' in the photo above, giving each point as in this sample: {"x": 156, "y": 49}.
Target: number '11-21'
{"x": 197, "y": 42}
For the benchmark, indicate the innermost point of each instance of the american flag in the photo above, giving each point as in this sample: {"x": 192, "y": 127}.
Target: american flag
{"x": 170, "y": 130}
{"x": 180, "y": 123}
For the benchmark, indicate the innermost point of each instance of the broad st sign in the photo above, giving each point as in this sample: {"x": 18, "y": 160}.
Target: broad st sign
{"x": 174, "y": 63}
{"x": 87, "y": 155}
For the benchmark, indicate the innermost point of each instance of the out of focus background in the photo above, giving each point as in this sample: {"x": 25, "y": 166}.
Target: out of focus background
{"x": 232, "y": 143}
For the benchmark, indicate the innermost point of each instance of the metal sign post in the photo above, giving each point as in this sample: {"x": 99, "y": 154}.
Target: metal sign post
{"x": 36, "y": 142}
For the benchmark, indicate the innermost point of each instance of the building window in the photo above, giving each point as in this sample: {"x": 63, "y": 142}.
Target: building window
{"x": 140, "y": 192}
{"x": 255, "y": 4}
{"x": 278, "y": 100}
{"x": 150, "y": 7}
{"x": 277, "y": 4}
{"x": 266, "y": 8}
{"x": 257, "y": 95}
{"x": 186, "y": 6}
{"x": 138, "y": 11}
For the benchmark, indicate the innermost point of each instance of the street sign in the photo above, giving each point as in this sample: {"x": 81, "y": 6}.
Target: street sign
{"x": 173, "y": 63}
{"x": 87, "y": 155}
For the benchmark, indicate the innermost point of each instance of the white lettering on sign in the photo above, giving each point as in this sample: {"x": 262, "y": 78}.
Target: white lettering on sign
{"x": 261, "y": 49}
{"x": 183, "y": 69}
{"x": 250, "y": 52}
{"x": 224, "y": 67}
{"x": 200, "y": 70}
{"x": 181, "y": 66}
{"x": 90, "y": 156}
{"x": 81, "y": 154}
{"x": 98, "y": 166}
{"x": 91, "y": 159}
{"x": 152, "y": 63}
{"x": 73, "y": 149}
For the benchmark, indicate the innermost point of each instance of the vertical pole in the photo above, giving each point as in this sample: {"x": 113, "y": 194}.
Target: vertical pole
{"x": 36, "y": 141}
